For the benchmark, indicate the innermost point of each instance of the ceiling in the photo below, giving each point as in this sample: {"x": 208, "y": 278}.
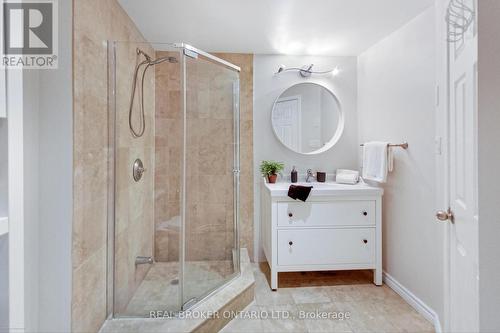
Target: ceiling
{"x": 315, "y": 27}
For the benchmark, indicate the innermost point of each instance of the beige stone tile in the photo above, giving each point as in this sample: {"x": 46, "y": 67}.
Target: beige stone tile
{"x": 371, "y": 324}
{"x": 206, "y": 246}
{"x": 244, "y": 322}
{"x": 410, "y": 322}
{"x": 265, "y": 296}
{"x": 89, "y": 230}
{"x": 209, "y": 218}
{"x": 161, "y": 245}
{"x": 122, "y": 274}
{"x": 310, "y": 295}
{"x": 174, "y": 161}
{"x": 89, "y": 177}
{"x": 215, "y": 189}
{"x": 92, "y": 19}
{"x": 89, "y": 287}
{"x": 90, "y": 96}
{"x": 212, "y": 158}
{"x": 371, "y": 309}
{"x": 281, "y": 318}
{"x": 173, "y": 246}
{"x": 345, "y": 293}
{"x": 313, "y": 316}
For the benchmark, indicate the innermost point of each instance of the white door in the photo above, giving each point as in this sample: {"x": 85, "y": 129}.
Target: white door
{"x": 287, "y": 121}
{"x": 463, "y": 294}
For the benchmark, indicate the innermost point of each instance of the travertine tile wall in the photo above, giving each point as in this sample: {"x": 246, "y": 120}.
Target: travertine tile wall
{"x": 209, "y": 178}
{"x": 95, "y": 22}
{"x": 168, "y": 145}
{"x": 209, "y": 156}
{"x": 134, "y": 204}
{"x": 245, "y": 62}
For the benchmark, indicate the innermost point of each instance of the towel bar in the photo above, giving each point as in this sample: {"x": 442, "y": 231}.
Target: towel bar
{"x": 403, "y": 145}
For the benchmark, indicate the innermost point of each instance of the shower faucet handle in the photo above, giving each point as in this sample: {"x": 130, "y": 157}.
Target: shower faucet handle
{"x": 138, "y": 170}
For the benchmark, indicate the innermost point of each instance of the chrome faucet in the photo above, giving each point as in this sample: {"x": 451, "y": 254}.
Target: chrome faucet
{"x": 309, "y": 175}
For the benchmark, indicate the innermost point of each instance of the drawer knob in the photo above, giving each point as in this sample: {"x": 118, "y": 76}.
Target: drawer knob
{"x": 290, "y": 243}
{"x": 365, "y": 241}
{"x": 290, "y": 214}
{"x": 365, "y": 213}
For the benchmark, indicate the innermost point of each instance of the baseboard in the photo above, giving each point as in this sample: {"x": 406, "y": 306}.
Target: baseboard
{"x": 422, "y": 308}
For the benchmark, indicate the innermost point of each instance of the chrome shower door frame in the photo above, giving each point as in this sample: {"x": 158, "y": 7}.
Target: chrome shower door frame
{"x": 190, "y": 51}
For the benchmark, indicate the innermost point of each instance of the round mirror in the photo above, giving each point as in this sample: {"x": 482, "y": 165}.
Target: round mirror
{"x": 307, "y": 118}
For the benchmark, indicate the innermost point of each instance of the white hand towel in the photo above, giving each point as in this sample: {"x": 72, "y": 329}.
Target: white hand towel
{"x": 347, "y": 178}
{"x": 344, "y": 176}
{"x": 390, "y": 159}
{"x": 376, "y": 161}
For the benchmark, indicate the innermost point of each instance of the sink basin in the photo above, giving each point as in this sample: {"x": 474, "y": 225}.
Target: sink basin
{"x": 317, "y": 184}
{"x": 324, "y": 189}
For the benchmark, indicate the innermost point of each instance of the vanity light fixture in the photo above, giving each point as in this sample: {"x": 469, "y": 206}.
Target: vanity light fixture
{"x": 307, "y": 70}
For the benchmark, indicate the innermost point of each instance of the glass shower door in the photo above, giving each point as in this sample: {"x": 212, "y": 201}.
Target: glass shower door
{"x": 172, "y": 232}
{"x": 211, "y": 173}
{"x": 144, "y": 229}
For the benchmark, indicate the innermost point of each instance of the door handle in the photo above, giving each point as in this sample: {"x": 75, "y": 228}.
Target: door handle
{"x": 445, "y": 215}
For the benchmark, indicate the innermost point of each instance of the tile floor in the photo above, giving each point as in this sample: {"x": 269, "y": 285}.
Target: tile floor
{"x": 370, "y": 308}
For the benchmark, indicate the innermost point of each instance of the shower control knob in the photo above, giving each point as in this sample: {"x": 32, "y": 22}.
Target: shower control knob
{"x": 138, "y": 170}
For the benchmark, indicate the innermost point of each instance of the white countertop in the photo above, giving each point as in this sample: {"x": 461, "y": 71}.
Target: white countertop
{"x": 326, "y": 189}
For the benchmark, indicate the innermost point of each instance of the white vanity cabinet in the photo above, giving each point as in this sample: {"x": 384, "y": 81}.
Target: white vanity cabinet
{"x": 337, "y": 228}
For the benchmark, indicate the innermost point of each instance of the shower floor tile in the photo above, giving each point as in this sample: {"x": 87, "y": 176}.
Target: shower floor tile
{"x": 159, "y": 291}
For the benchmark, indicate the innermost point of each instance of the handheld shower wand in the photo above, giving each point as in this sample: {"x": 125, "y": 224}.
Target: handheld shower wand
{"x": 147, "y": 62}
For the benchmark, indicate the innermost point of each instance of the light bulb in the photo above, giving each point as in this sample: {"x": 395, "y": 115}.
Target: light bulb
{"x": 335, "y": 71}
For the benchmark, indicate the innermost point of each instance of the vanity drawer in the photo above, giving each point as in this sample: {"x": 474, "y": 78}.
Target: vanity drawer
{"x": 326, "y": 246}
{"x": 333, "y": 213}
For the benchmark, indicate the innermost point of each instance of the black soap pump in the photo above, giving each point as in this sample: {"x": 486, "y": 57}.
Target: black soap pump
{"x": 293, "y": 176}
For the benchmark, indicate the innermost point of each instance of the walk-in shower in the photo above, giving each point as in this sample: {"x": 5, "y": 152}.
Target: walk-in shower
{"x": 174, "y": 177}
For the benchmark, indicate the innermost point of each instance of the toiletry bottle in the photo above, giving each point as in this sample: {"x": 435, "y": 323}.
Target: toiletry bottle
{"x": 293, "y": 176}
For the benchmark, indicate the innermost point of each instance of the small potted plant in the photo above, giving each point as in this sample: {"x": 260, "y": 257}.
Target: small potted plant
{"x": 270, "y": 169}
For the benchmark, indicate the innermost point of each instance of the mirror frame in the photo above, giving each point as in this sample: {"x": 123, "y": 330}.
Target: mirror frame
{"x": 340, "y": 127}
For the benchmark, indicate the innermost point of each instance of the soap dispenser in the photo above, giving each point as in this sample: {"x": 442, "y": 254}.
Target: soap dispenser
{"x": 294, "y": 176}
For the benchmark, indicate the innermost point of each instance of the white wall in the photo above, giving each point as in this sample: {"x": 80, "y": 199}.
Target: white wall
{"x": 4, "y": 283}
{"x": 31, "y": 114}
{"x": 267, "y": 87}
{"x": 396, "y": 102}
{"x": 56, "y": 183}
{"x": 489, "y": 164}
{"x": 40, "y": 192}
{"x": 4, "y": 246}
{"x": 3, "y": 168}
